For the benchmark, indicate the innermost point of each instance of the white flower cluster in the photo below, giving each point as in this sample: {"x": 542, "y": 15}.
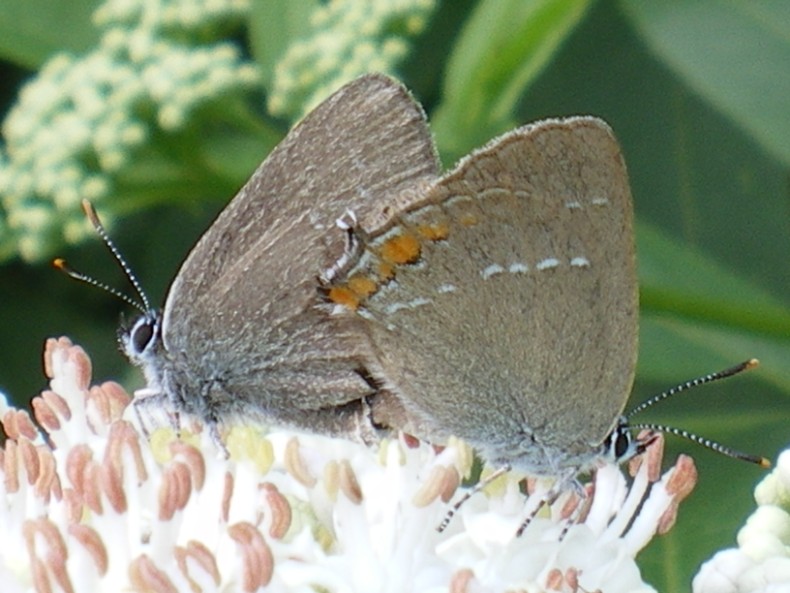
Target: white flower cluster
{"x": 348, "y": 38}
{"x": 761, "y": 562}
{"x": 177, "y": 14}
{"x": 97, "y": 508}
{"x": 79, "y": 121}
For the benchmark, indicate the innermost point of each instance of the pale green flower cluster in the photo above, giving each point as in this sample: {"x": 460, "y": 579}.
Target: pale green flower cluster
{"x": 81, "y": 119}
{"x": 195, "y": 15}
{"x": 761, "y": 562}
{"x": 348, "y": 38}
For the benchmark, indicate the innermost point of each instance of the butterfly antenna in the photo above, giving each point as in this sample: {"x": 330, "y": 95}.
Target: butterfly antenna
{"x": 739, "y": 368}
{"x": 707, "y": 443}
{"x": 143, "y": 305}
{"x": 61, "y": 265}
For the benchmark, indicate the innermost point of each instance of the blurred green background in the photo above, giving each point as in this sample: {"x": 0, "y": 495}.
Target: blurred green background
{"x": 696, "y": 91}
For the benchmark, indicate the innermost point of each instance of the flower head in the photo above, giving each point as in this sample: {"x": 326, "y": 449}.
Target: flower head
{"x": 89, "y": 505}
{"x": 82, "y": 119}
{"x": 346, "y": 39}
{"x": 761, "y": 562}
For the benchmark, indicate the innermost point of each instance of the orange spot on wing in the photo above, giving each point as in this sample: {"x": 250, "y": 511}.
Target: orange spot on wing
{"x": 403, "y": 249}
{"x": 362, "y": 285}
{"x": 434, "y": 232}
{"x": 343, "y": 295}
{"x": 386, "y": 271}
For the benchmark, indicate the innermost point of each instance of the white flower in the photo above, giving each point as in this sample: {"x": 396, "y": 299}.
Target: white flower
{"x": 761, "y": 562}
{"x": 83, "y": 118}
{"x": 94, "y": 507}
{"x": 348, "y": 38}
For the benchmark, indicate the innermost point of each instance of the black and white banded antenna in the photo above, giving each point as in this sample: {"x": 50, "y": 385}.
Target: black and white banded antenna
{"x": 143, "y": 304}
{"x": 707, "y": 443}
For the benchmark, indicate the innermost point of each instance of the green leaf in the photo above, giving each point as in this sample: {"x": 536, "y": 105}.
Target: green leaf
{"x": 733, "y": 54}
{"x": 274, "y": 25}
{"x": 32, "y": 30}
{"x": 694, "y": 309}
{"x": 674, "y": 348}
{"x": 504, "y": 45}
{"x": 684, "y": 281}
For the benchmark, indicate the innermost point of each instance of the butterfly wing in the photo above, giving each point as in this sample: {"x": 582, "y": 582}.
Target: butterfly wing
{"x": 242, "y": 325}
{"x": 508, "y": 316}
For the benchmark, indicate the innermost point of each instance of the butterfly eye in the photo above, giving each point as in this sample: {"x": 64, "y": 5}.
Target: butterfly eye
{"x": 142, "y": 334}
{"x": 622, "y": 444}
{"x": 619, "y": 445}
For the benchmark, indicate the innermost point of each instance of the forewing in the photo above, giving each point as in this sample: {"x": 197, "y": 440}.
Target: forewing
{"x": 243, "y": 305}
{"x": 515, "y": 327}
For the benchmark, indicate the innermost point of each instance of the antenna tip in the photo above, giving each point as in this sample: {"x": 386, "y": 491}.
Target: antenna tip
{"x": 90, "y": 212}
{"x": 61, "y": 265}
{"x": 764, "y": 463}
{"x": 751, "y": 364}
